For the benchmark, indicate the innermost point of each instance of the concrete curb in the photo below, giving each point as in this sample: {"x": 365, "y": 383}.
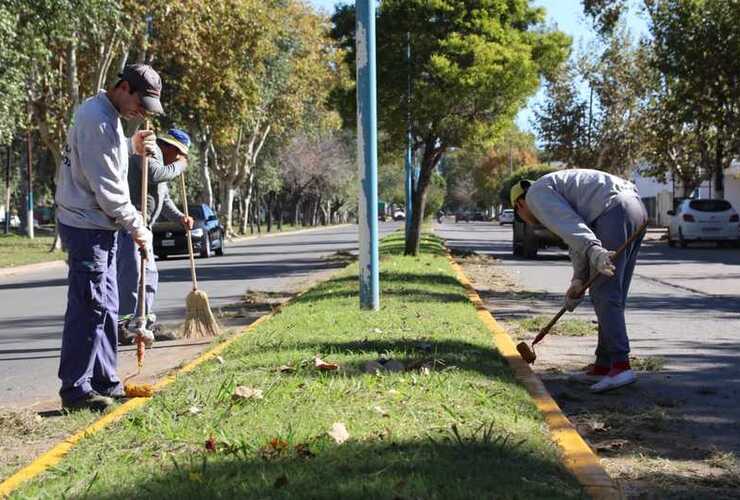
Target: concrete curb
{"x": 59, "y": 264}
{"x": 577, "y": 456}
{"x": 55, "y": 455}
{"x": 32, "y": 268}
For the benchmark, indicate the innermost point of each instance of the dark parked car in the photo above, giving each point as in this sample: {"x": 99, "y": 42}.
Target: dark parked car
{"x": 462, "y": 217}
{"x": 480, "y": 217}
{"x": 529, "y": 238}
{"x": 207, "y": 234}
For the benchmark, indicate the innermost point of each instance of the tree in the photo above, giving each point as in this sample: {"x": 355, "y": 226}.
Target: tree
{"x": 474, "y": 63}
{"x": 696, "y": 46}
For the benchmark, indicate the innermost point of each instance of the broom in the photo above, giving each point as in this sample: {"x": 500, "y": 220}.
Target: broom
{"x": 141, "y": 390}
{"x": 199, "y": 320}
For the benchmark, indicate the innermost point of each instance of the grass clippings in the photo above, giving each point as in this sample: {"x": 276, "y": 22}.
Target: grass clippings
{"x": 647, "y": 363}
{"x": 465, "y": 429}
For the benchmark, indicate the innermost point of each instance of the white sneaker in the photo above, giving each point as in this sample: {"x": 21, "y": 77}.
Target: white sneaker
{"x": 621, "y": 379}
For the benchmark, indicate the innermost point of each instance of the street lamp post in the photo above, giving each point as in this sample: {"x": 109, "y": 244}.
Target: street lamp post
{"x": 408, "y": 164}
{"x": 367, "y": 154}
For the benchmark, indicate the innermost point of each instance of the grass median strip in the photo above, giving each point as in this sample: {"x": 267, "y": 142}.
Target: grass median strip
{"x": 325, "y": 400}
{"x": 18, "y": 250}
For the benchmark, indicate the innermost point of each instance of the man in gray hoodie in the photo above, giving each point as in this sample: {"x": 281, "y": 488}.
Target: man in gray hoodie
{"x": 594, "y": 213}
{"x": 93, "y": 202}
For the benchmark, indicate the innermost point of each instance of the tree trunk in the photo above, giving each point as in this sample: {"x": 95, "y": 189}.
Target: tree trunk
{"x": 208, "y": 187}
{"x": 280, "y": 214}
{"x": 270, "y": 203}
{"x": 431, "y": 157}
{"x": 228, "y": 199}
{"x": 719, "y": 172}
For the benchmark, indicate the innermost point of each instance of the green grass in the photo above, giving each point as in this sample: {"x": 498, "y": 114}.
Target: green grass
{"x": 17, "y": 250}
{"x": 458, "y": 427}
{"x": 565, "y": 327}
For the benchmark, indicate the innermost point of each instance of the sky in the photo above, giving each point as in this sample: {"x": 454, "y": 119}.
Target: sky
{"x": 567, "y": 16}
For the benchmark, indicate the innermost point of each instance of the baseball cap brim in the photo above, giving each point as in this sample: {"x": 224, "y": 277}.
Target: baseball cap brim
{"x": 152, "y": 105}
{"x": 173, "y": 142}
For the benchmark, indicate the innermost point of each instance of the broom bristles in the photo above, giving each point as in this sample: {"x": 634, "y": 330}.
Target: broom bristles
{"x": 199, "y": 322}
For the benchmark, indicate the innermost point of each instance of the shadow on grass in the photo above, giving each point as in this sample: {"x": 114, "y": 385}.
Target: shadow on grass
{"x": 442, "y": 466}
{"x": 389, "y": 279}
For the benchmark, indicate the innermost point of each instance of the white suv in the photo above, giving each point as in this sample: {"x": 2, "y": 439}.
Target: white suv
{"x": 703, "y": 220}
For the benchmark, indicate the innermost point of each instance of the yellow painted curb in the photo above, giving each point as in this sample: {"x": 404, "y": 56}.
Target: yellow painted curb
{"x": 57, "y": 453}
{"x": 578, "y": 457}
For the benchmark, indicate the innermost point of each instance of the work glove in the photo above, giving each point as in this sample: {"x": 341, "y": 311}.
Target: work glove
{"x": 601, "y": 260}
{"x": 143, "y": 239}
{"x": 574, "y": 294}
{"x": 144, "y": 142}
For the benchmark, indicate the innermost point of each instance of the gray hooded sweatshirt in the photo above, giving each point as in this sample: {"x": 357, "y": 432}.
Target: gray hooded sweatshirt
{"x": 92, "y": 188}
{"x": 567, "y": 202}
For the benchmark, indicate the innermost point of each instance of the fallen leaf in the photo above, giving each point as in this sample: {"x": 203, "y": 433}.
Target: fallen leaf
{"x": 303, "y": 451}
{"x": 243, "y": 392}
{"x": 381, "y": 411}
{"x": 286, "y": 369}
{"x": 323, "y": 365}
{"x": 220, "y": 360}
{"x": 377, "y": 330}
{"x": 281, "y": 481}
{"x": 211, "y": 444}
{"x": 338, "y": 433}
{"x": 194, "y": 410}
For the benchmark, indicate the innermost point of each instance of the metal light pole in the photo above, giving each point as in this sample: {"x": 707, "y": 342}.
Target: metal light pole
{"x": 409, "y": 183}
{"x": 7, "y": 189}
{"x": 29, "y": 198}
{"x": 367, "y": 154}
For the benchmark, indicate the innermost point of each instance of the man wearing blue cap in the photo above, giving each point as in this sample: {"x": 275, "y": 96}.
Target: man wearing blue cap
{"x": 169, "y": 161}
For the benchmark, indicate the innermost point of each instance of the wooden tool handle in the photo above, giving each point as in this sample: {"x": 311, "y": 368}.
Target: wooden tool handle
{"x": 187, "y": 231}
{"x": 590, "y": 282}
{"x": 144, "y": 255}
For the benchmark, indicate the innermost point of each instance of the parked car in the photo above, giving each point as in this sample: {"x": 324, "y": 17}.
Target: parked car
{"x": 529, "y": 238}
{"x": 15, "y": 221}
{"x": 462, "y": 216}
{"x": 506, "y": 217}
{"x": 207, "y": 234}
{"x": 480, "y": 216}
{"x": 704, "y": 220}
{"x": 399, "y": 215}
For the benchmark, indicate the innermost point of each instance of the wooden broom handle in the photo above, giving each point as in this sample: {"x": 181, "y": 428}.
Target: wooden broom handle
{"x": 187, "y": 231}
{"x": 144, "y": 198}
{"x": 590, "y": 282}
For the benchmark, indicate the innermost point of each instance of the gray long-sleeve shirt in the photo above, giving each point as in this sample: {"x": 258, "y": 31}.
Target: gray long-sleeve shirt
{"x": 92, "y": 192}
{"x": 567, "y": 202}
{"x": 158, "y": 201}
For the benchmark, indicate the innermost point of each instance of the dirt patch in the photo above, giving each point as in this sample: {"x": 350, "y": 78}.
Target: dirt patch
{"x": 643, "y": 437}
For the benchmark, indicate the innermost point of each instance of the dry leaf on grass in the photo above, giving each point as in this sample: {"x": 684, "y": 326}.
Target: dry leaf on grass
{"x": 381, "y": 411}
{"x": 323, "y": 365}
{"x": 194, "y": 410}
{"x": 220, "y": 360}
{"x": 211, "y": 444}
{"x": 286, "y": 369}
{"x": 338, "y": 433}
{"x": 243, "y": 392}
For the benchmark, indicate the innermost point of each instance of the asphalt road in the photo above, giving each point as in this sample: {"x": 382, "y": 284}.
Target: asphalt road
{"x": 32, "y": 305}
{"x": 684, "y": 306}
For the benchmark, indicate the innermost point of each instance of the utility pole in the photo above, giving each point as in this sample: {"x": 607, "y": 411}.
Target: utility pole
{"x": 367, "y": 154}
{"x": 29, "y": 197}
{"x": 408, "y": 164}
{"x": 7, "y": 188}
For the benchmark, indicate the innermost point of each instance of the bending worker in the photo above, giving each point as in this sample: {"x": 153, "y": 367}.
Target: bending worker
{"x": 169, "y": 161}
{"x": 593, "y": 212}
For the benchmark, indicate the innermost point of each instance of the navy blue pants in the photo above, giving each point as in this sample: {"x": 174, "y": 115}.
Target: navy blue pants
{"x": 609, "y": 295}
{"x": 89, "y": 345}
{"x": 128, "y": 262}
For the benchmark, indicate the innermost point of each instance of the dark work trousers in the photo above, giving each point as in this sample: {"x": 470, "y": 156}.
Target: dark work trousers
{"x": 609, "y": 295}
{"x": 128, "y": 262}
{"x": 89, "y": 345}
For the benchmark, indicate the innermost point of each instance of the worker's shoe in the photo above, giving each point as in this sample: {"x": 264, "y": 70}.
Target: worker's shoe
{"x": 91, "y": 401}
{"x": 592, "y": 373}
{"x": 160, "y": 333}
{"x": 616, "y": 378}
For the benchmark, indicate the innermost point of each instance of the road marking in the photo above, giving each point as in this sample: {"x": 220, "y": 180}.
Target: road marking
{"x": 578, "y": 457}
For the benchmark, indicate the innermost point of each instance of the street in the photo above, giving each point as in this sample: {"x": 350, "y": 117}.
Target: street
{"x": 683, "y": 315}
{"x": 33, "y": 305}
